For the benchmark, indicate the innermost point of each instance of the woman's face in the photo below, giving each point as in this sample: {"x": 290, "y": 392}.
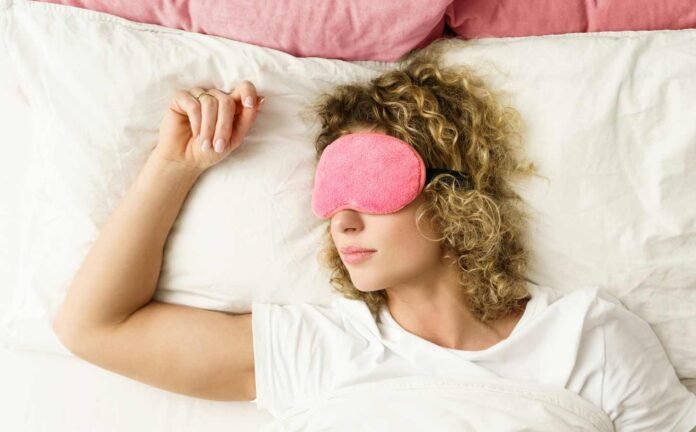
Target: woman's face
{"x": 403, "y": 256}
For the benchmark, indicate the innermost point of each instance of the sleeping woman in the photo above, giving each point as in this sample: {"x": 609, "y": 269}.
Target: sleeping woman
{"x": 424, "y": 240}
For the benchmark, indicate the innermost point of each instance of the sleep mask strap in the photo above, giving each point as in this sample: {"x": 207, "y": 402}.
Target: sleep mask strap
{"x": 463, "y": 178}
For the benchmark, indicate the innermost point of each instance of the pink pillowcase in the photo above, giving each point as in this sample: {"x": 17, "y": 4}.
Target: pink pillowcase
{"x": 354, "y": 30}
{"x": 471, "y": 19}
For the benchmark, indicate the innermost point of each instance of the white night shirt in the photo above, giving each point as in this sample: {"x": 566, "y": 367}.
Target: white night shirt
{"x": 585, "y": 341}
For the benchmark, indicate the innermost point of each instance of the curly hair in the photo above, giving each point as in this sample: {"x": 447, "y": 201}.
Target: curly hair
{"x": 453, "y": 121}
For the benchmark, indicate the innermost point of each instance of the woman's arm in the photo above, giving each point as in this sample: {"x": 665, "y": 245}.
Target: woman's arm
{"x": 120, "y": 273}
{"x": 109, "y": 314}
{"x": 109, "y": 320}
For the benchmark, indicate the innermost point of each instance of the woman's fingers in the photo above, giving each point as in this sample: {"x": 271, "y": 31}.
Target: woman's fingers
{"x": 244, "y": 92}
{"x": 220, "y": 120}
{"x": 225, "y": 120}
{"x": 209, "y": 111}
{"x": 186, "y": 105}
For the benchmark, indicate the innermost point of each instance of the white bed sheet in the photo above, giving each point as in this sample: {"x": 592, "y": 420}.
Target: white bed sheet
{"x": 47, "y": 392}
{"x": 55, "y": 393}
{"x": 96, "y": 400}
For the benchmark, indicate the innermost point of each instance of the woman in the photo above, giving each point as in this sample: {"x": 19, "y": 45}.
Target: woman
{"x": 446, "y": 275}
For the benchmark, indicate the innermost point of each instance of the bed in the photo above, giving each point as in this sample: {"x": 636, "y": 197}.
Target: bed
{"x": 609, "y": 120}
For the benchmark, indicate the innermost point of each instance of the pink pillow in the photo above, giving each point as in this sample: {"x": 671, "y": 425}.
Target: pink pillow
{"x": 381, "y": 30}
{"x": 471, "y": 19}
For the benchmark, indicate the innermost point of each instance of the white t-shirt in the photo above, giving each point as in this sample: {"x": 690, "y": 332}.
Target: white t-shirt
{"x": 585, "y": 341}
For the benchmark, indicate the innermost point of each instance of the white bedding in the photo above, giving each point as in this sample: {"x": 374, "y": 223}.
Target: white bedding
{"x": 98, "y": 400}
{"x": 413, "y": 404}
{"x": 44, "y": 392}
{"x": 609, "y": 122}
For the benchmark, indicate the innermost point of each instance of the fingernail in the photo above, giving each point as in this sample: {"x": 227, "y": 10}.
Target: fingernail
{"x": 206, "y": 145}
{"x": 219, "y": 145}
{"x": 248, "y": 102}
{"x": 261, "y": 101}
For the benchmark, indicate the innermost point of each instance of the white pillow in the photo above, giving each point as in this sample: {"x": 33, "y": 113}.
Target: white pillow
{"x": 609, "y": 123}
{"x": 16, "y": 121}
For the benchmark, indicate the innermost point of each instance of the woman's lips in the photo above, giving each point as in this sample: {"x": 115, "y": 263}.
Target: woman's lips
{"x": 357, "y": 257}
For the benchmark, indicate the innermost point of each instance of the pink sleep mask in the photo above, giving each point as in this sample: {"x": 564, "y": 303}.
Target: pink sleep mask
{"x": 371, "y": 173}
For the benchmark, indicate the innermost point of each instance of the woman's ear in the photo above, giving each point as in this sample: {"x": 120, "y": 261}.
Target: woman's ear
{"x": 444, "y": 252}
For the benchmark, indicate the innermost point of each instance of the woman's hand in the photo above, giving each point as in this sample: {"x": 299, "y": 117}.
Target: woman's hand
{"x": 201, "y": 127}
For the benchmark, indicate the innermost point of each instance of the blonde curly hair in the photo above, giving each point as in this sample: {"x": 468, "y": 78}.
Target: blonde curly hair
{"x": 453, "y": 121}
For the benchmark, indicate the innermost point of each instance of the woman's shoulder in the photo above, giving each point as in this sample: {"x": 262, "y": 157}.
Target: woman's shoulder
{"x": 595, "y": 305}
{"x": 636, "y": 371}
{"x": 337, "y": 315}
{"x": 599, "y": 307}
{"x": 589, "y": 293}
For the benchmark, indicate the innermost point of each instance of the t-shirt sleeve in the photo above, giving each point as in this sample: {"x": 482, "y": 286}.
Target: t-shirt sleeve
{"x": 641, "y": 390}
{"x": 292, "y": 352}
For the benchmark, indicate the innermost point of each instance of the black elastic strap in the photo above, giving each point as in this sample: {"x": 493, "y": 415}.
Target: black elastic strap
{"x": 464, "y": 178}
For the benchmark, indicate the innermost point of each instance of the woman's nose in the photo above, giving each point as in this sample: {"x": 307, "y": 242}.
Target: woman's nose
{"x": 346, "y": 219}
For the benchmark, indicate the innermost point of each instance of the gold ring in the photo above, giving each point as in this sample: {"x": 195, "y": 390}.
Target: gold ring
{"x": 202, "y": 94}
